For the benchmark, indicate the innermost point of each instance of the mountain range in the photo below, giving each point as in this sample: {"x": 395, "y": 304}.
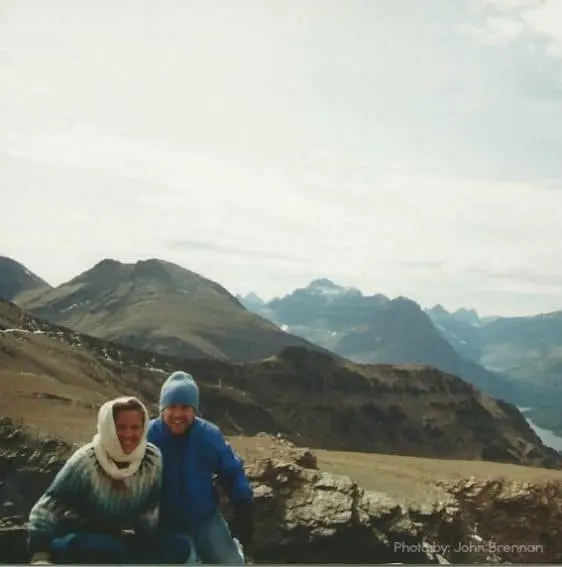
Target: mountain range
{"x": 53, "y": 379}
{"x": 518, "y": 359}
{"x": 153, "y": 305}
{"x": 161, "y": 307}
{"x": 527, "y": 350}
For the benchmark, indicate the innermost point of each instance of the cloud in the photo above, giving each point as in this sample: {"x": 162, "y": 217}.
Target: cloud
{"x": 206, "y": 247}
{"x": 427, "y": 237}
{"x": 524, "y": 20}
{"x": 522, "y": 278}
{"x": 265, "y": 144}
{"x": 498, "y": 30}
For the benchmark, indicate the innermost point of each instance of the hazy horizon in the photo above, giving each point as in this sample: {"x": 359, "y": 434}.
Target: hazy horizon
{"x": 304, "y": 284}
{"x": 405, "y": 148}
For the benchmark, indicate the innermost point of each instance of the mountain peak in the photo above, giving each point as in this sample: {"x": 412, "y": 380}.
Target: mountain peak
{"x": 102, "y": 272}
{"x": 15, "y": 278}
{"x": 251, "y": 298}
{"x": 323, "y": 283}
{"x": 467, "y": 315}
{"x": 325, "y": 286}
{"x": 438, "y": 311}
{"x": 158, "y": 305}
{"x": 155, "y": 269}
{"x": 403, "y": 302}
{"x": 109, "y": 269}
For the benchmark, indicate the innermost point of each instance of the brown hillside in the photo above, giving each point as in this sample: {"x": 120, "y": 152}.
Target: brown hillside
{"x": 54, "y": 379}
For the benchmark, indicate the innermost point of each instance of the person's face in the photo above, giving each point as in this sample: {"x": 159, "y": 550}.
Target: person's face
{"x": 129, "y": 425}
{"x": 178, "y": 417}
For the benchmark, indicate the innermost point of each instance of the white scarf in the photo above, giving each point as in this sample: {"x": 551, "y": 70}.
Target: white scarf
{"x": 108, "y": 448}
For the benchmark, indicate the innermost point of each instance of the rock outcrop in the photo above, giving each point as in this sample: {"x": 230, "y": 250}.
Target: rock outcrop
{"x": 521, "y": 521}
{"x": 306, "y": 515}
{"x": 27, "y": 466}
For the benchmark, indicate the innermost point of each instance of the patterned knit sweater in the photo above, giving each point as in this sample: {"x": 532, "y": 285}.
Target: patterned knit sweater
{"x": 82, "y": 497}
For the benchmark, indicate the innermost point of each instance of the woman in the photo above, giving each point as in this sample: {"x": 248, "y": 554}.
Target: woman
{"x": 110, "y": 485}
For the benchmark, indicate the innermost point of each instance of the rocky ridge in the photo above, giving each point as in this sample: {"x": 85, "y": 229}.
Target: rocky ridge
{"x": 307, "y": 515}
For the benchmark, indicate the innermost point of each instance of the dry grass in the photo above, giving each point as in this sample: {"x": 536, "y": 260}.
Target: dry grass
{"x": 47, "y": 388}
{"x": 404, "y": 478}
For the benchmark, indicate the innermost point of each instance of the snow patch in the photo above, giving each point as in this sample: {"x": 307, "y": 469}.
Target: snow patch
{"x": 153, "y": 369}
{"x": 331, "y": 290}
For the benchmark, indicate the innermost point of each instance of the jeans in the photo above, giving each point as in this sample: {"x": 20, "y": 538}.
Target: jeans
{"x": 214, "y": 542}
{"x": 107, "y": 549}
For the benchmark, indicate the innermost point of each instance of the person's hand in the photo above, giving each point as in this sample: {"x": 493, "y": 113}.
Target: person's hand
{"x": 41, "y": 558}
{"x": 242, "y": 525}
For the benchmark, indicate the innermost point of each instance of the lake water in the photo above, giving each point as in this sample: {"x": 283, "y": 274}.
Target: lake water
{"x": 547, "y": 437}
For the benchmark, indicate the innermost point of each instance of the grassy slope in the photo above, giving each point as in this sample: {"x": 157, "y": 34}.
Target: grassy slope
{"x": 405, "y": 478}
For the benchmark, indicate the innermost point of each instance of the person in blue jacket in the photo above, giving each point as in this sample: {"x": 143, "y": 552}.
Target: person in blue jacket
{"x": 193, "y": 452}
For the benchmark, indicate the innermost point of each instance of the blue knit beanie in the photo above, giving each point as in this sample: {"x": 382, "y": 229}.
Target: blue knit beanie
{"x": 179, "y": 388}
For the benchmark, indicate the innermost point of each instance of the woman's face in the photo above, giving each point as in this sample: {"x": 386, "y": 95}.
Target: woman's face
{"x": 129, "y": 425}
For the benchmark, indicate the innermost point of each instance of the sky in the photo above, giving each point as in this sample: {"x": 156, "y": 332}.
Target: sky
{"x": 410, "y": 147}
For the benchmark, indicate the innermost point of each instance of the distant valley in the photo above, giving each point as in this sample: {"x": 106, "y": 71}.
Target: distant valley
{"x": 518, "y": 359}
{"x": 528, "y": 350}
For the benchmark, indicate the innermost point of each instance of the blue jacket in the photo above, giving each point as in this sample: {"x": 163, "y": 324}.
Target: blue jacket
{"x": 190, "y": 462}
